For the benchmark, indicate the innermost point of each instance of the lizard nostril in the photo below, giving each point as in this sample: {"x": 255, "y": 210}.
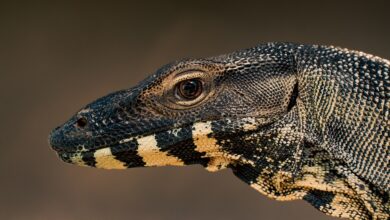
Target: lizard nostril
{"x": 81, "y": 122}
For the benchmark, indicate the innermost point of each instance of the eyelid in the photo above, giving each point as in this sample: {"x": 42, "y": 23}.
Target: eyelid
{"x": 191, "y": 74}
{"x": 171, "y": 101}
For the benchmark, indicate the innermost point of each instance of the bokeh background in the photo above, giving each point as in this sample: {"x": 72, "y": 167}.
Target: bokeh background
{"x": 56, "y": 57}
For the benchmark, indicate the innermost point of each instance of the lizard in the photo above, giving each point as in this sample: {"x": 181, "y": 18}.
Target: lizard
{"x": 293, "y": 121}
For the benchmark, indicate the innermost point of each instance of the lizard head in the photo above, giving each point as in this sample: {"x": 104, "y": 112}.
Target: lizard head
{"x": 180, "y": 115}
{"x": 241, "y": 111}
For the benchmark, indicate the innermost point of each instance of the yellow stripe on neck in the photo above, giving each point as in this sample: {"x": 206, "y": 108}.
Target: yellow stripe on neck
{"x": 151, "y": 154}
{"x": 104, "y": 159}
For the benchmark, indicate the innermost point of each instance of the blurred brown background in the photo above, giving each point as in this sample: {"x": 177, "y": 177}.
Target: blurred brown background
{"x": 56, "y": 57}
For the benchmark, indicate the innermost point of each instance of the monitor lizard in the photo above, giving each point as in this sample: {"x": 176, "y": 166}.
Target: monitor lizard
{"x": 293, "y": 121}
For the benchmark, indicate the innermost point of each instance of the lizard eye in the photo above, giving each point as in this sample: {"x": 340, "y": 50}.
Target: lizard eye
{"x": 189, "y": 89}
{"x": 186, "y": 89}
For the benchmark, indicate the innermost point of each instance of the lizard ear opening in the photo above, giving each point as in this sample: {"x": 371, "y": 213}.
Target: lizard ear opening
{"x": 293, "y": 98}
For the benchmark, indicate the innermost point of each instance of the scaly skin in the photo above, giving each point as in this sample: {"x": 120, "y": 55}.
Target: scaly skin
{"x": 293, "y": 121}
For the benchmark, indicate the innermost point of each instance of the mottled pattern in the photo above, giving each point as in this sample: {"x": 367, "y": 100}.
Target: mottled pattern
{"x": 292, "y": 121}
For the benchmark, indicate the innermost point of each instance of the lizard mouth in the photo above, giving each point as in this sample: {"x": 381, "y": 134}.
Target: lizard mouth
{"x": 78, "y": 157}
{"x": 130, "y": 151}
{"x": 103, "y": 157}
{"x": 73, "y": 158}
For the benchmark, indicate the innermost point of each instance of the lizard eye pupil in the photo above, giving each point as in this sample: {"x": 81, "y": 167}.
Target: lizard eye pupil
{"x": 81, "y": 122}
{"x": 190, "y": 89}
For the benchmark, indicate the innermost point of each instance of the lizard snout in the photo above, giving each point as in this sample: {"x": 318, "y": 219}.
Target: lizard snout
{"x": 67, "y": 138}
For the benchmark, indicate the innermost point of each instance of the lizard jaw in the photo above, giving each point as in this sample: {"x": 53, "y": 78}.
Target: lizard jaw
{"x": 191, "y": 144}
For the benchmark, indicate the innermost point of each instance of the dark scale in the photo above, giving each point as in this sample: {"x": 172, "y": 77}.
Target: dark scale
{"x": 183, "y": 148}
{"x": 127, "y": 153}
